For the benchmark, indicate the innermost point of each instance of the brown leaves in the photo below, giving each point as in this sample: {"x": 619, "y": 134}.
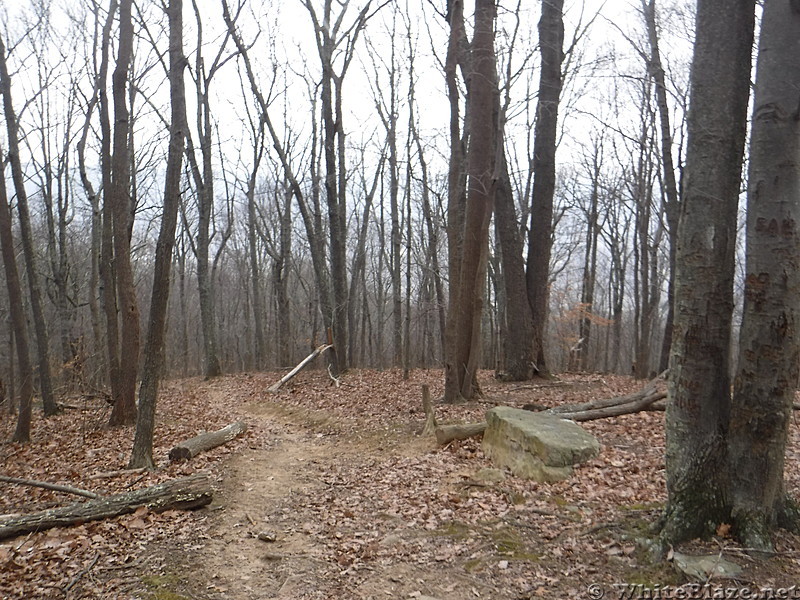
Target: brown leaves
{"x": 386, "y": 513}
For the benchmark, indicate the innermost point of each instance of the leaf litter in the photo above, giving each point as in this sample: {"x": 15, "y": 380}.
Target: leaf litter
{"x": 331, "y": 493}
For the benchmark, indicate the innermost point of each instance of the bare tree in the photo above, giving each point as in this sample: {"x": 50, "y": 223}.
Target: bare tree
{"x": 551, "y": 41}
{"x": 119, "y": 196}
{"x": 465, "y": 314}
{"x": 203, "y": 177}
{"x": 699, "y": 386}
{"x": 671, "y": 202}
{"x": 22, "y": 433}
{"x": 26, "y": 233}
{"x": 769, "y": 346}
{"x": 336, "y": 43}
{"x": 154, "y": 361}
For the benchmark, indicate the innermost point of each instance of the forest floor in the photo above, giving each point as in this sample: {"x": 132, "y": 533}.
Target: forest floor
{"x": 332, "y": 494}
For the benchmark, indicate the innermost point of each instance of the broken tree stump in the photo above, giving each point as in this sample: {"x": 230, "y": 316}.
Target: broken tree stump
{"x": 178, "y": 494}
{"x": 206, "y": 441}
{"x": 430, "y": 415}
{"x": 447, "y": 433}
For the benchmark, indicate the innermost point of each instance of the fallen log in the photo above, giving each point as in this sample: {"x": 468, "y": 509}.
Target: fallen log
{"x": 447, "y": 433}
{"x": 614, "y": 410}
{"x": 206, "y": 441}
{"x": 56, "y": 487}
{"x": 645, "y": 392}
{"x": 178, "y": 494}
{"x": 301, "y": 365}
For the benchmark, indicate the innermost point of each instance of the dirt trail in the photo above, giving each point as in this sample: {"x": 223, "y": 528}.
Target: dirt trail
{"x": 255, "y": 547}
{"x": 262, "y": 538}
{"x": 332, "y": 495}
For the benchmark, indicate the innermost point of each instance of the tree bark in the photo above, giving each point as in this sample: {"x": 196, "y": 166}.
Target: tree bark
{"x": 22, "y": 433}
{"x": 430, "y": 414}
{"x": 206, "y": 441}
{"x": 551, "y": 41}
{"x": 259, "y": 346}
{"x": 124, "y": 410}
{"x": 154, "y": 360}
{"x": 769, "y": 343}
{"x": 672, "y": 201}
{"x": 26, "y": 234}
{"x": 641, "y": 402}
{"x": 448, "y": 433}
{"x": 457, "y": 54}
{"x": 465, "y": 312}
{"x": 179, "y": 494}
{"x": 108, "y": 278}
{"x": 203, "y": 176}
{"x": 517, "y": 327}
{"x": 67, "y": 489}
{"x": 699, "y": 385}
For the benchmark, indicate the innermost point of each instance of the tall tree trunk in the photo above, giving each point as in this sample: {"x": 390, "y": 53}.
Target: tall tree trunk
{"x": 769, "y": 342}
{"x": 671, "y": 203}
{"x": 551, "y": 41}
{"x": 96, "y": 231}
{"x": 589, "y": 265}
{"x": 19, "y": 326}
{"x": 26, "y": 233}
{"x": 699, "y": 386}
{"x": 253, "y": 255}
{"x": 457, "y": 54}
{"x": 517, "y": 327}
{"x": 108, "y": 279}
{"x": 124, "y": 410}
{"x": 466, "y": 312}
{"x": 154, "y": 364}
{"x": 281, "y": 281}
{"x": 205, "y": 198}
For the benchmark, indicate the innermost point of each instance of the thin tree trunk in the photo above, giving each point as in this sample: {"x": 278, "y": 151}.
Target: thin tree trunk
{"x": 255, "y": 268}
{"x": 26, "y": 233}
{"x": 281, "y": 280}
{"x": 551, "y": 40}
{"x": 457, "y": 47}
{"x": 465, "y": 314}
{"x": 19, "y": 327}
{"x": 124, "y": 410}
{"x": 672, "y": 200}
{"x": 154, "y": 360}
{"x": 108, "y": 279}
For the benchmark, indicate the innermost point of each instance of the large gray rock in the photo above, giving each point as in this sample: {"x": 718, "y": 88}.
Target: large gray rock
{"x": 536, "y": 445}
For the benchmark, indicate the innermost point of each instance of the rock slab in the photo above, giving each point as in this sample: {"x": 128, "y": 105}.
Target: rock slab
{"x": 536, "y": 446}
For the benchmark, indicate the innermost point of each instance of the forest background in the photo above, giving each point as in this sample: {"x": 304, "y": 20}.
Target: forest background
{"x": 256, "y": 252}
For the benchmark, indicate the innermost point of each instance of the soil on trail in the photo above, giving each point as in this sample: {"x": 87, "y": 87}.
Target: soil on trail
{"x": 333, "y": 494}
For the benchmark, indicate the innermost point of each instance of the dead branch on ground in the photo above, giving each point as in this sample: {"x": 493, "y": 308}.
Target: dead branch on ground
{"x": 56, "y": 487}
{"x": 178, "y": 494}
{"x": 300, "y": 366}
